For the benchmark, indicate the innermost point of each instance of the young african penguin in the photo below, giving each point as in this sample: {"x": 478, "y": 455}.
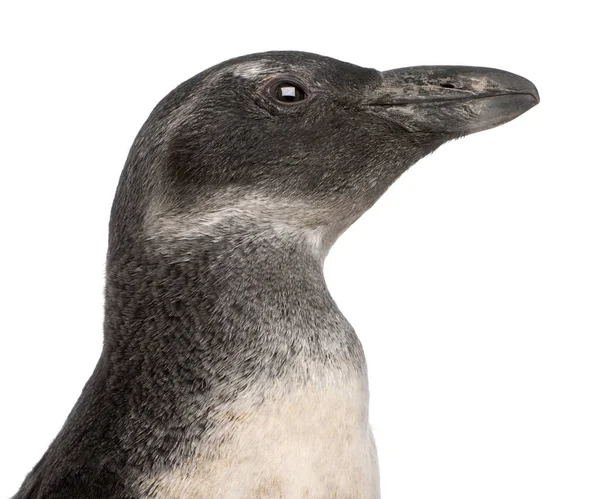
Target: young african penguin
{"x": 227, "y": 370}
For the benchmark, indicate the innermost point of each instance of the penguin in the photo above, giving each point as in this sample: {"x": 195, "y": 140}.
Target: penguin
{"x": 227, "y": 370}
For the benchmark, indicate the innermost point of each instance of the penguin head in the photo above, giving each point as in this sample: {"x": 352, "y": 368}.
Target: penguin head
{"x": 301, "y": 142}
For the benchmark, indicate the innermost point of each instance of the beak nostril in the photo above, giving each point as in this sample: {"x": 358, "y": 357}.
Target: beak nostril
{"x": 447, "y": 85}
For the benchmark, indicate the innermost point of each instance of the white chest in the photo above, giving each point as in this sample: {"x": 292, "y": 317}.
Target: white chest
{"x": 312, "y": 441}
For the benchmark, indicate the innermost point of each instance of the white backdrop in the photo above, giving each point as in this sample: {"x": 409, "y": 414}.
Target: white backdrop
{"x": 474, "y": 283}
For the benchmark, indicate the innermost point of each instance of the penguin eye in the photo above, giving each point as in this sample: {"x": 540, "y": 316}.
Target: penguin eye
{"x": 288, "y": 92}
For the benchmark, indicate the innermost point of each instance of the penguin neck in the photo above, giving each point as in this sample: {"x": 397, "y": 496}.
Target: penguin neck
{"x": 254, "y": 291}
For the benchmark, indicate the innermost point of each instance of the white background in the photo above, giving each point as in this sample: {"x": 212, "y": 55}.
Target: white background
{"x": 474, "y": 283}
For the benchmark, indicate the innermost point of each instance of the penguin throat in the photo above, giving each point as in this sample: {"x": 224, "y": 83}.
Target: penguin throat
{"x": 256, "y": 219}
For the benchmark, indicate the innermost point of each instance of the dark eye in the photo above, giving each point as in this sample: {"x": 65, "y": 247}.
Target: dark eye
{"x": 287, "y": 91}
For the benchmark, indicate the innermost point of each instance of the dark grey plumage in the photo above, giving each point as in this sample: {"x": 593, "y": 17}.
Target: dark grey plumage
{"x": 225, "y": 210}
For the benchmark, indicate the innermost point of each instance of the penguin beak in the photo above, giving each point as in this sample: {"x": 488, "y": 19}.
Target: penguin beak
{"x": 452, "y": 99}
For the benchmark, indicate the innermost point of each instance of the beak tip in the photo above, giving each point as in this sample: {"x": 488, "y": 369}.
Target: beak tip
{"x": 532, "y": 90}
